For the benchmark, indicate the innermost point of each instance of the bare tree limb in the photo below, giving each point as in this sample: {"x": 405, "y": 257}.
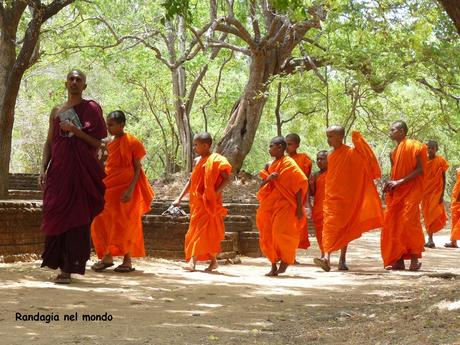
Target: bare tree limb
{"x": 222, "y": 44}
{"x": 254, "y": 21}
{"x": 220, "y": 77}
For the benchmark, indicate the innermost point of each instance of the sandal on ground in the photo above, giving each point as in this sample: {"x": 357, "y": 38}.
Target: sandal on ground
{"x": 322, "y": 264}
{"x": 62, "y": 279}
{"x": 124, "y": 269}
{"x": 450, "y": 245}
{"x": 430, "y": 245}
{"x": 101, "y": 265}
{"x": 415, "y": 267}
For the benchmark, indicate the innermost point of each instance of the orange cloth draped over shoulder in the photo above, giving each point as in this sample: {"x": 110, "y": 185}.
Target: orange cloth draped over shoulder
{"x": 402, "y": 234}
{"x": 351, "y": 205}
{"x": 206, "y": 229}
{"x": 434, "y": 212}
{"x": 118, "y": 229}
{"x": 317, "y": 211}
{"x": 455, "y": 210}
{"x": 304, "y": 162}
{"x": 276, "y": 217}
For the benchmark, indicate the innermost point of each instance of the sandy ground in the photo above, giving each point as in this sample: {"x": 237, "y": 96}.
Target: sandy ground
{"x": 160, "y": 303}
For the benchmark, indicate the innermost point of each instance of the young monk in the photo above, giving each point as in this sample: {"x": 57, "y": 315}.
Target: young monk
{"x": 117, "y": 231}
{"x": 434, "y": 184}
{"x": 317, "y": 190}
{"x": 280, "y": 214}
{"x": 351, "y": 203}
{"x": 305, "y": 164}
{"x": 210, "y": 176}
{"x": 402, "y": 234}
{"x": 455, "y": 211}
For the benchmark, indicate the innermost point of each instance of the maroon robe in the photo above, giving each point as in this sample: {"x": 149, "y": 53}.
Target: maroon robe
{"x": 74, "y": 192}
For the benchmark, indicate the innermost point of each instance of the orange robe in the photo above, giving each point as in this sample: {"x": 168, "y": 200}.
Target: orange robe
{"x": 206, "y": 229}
{"x": 402, "y": 234}
{"x": 351, "y": 205}
{"x": 455, "y": 210}
{"x": 317, "y": 211}
{"x": 434, "y": 213}
{"x": 118, "y": 229}
{"x": 276, "y": 217}
{"x": 304, "y": 162}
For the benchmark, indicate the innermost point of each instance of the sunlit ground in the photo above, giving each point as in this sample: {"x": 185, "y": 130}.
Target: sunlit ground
{"x": 160, "y": 303}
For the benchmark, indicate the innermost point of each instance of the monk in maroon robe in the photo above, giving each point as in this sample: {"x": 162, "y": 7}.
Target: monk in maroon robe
{"x": 71, "y": 178}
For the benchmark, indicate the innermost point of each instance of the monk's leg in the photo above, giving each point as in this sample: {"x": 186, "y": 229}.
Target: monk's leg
{"x": 212, "y": 265}
{"x": 191, "y": 265}
{"x": 342, "y": 261}
{"x": 105, "y": 262}
{"x": 273, "y": 272}
{"x": 283, "y": 267}
{"x": 127, "y": 262}
{"x": 324, "y": 262}
{"x": 430, "y": 243}
{"x": 451, "y": 244}
{"x": 415, "y": 265}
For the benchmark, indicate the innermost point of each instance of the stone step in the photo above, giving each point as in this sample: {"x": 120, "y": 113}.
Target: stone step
{"x": 18, "y": 194}
{"x": 23, "y": 182}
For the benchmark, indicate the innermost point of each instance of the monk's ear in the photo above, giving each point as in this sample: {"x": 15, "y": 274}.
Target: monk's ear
{"x": 84, "y": 87}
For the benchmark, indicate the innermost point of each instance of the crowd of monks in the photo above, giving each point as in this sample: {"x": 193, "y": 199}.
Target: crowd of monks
{"x": 346, "y": 202}
{"x": 83, "y": 201}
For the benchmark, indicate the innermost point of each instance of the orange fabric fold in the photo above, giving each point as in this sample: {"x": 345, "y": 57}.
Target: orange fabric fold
{"x": 206, "y": 229}
{"x": 402, "y": 234}
{"x": 352, "y": 205}
{"x": 317, "y": 211}
{"x": 434, "y": 212}
{"x": 276, "y": 217}
{"x": 455, "y": 210}
{"x": 305, "y": 164}
{"x": 118, "y": 229}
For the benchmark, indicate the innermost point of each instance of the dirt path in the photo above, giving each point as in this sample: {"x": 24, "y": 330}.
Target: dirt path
{"x": 160, "y": 303}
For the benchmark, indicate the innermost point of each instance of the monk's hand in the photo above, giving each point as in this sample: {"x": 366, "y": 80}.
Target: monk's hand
{"x": 391, "y": 185}
{"x": 42, "y": 180}
{"x": 67, "y": 126}
{"x": 176, "y": 202}
{"x": 308, "y": 211}
{"x": 127, "y": 195}
{"x": 272, "y": 176}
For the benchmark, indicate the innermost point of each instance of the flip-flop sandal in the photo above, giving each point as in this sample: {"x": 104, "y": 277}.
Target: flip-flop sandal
{"x": 62, "y": 279}
{"x": 416, "y": 267}
{"x": 322, "y": 264}
{"x": 430, "y": 245}
{"x": 124, "y": 269}
{"x": 101, "y": 266}
{"x": 450, "y": 245}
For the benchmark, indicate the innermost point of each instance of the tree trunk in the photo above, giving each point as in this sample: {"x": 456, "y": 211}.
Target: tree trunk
{"x": 244, "y": 120}
{"x": 7, "y": 59}
{"x": 452, "y": 8}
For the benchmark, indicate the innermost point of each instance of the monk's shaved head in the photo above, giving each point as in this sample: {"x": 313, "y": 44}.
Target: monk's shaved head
{"x": 432, "y": 143}
{"x": 203, "y": 137}
{"x": 337, "y": 129}
{"x": 77, "y": 72}
{"x": 279, "y": 141}
{"x": 322, "y": 153}
{"x": 294, "y": 137}
{"x": 400, "y": 124}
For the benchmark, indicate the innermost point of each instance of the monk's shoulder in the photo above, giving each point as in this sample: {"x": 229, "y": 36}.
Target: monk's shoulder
{"x": 57, "y": 109}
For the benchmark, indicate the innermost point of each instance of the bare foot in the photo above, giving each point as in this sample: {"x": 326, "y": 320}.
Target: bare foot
{"x": 273, "y": 272}
{"x": 342, "y": 266}
{"x": 296, "y": 262}
{"x": 397, "y": 266}
{"x": 212, "y": 266}
{"x": 283, "y": 267}
{"x": 190, "y": 267}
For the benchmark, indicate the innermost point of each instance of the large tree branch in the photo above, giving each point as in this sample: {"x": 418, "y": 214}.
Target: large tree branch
{"x": 438, "y": 90}
{"x": 452, "y": 7}
{"x": 55, "y": 7}
{"x": 223, "y": 44}
{"x": 233, "y": 26}
{"x": 305, "y": 63}
{"x": 254, "y": 21}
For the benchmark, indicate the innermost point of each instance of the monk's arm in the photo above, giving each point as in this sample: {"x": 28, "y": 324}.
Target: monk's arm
{"x": 391, "y": 185}
{"x": 182, "y": 194}
{"x": 46, "y": 156}
{"x": 128, "y": 194}
{"x": 299, "y": 210}
{"x": 225, "y": 181}
{"x": 272, "y": 176}
{"x": 66, "y": 126}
